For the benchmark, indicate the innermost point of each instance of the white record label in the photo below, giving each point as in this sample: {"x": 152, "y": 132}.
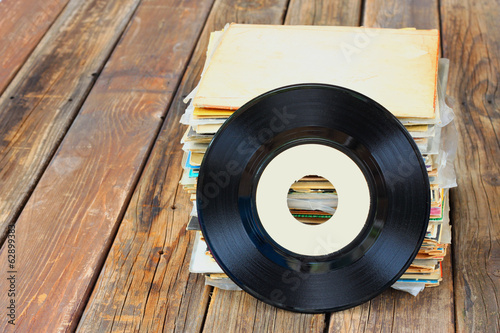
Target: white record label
{"x": 313, "y": 159}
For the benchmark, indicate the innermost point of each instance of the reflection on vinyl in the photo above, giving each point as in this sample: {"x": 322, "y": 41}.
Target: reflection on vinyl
{"x": 321, "y": 132}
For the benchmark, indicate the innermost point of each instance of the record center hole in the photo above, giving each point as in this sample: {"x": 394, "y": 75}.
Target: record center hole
{"x": 312, "y": 200}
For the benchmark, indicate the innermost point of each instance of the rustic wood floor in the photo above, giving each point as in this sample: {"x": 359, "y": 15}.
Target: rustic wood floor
{"x": 91, "y": 95}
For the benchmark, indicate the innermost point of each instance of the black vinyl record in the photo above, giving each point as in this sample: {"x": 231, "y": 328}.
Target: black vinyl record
{"x": 345, "y": 121}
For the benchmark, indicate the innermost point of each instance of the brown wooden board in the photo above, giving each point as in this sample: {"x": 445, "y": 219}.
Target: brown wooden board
{"x": 307, "y": 12}
{"x": 39, "y": 105}
{"x": 70, "y": 220}
{"x": 432, "y": 309}
{"x": 247, "y": 314}
{"x": 126, "y": 294}
{"x": 22, "y": 25}
{"x": 471, "y": 38}
{"x": 145, "y": 282}
{"x": 396, "y": 311}
{"x": 422, "y": 14}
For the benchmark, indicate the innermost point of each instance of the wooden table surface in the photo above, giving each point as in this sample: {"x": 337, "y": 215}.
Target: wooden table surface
{"x": 90, "y": 154}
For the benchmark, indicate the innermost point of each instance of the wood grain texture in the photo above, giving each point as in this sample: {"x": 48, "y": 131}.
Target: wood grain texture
{"x": 22, "y": 25}
{"x": 41, "y": 102}
{"x": 247, "y": 314}
{"x": 420, "y": 14}
{"x": 67, "y": 226}
{"x": 471, "y": 38}
{"x": 307, "y": 12}
{"x": 145, "y": 282}
{"x": 395, "y": 311}
{"x": 126, "y": 294}
{"x": 69, "y": 222}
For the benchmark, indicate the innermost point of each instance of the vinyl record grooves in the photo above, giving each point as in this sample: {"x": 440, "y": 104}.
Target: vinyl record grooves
{"x": 333, "y": 130}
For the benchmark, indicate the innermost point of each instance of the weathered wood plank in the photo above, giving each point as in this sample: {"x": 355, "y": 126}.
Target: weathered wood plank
{"x": 307, "y": 12}
{"x": 247, "y": 314}
{"x": 69, "y": 222}
{"x": 121, "y": 298}
{"x": 145, "y": 280}
{"x": 471, "y": 35}
{"x": 191, "y": 315}
{"x": 22, "y": 25}
{"x": 41, "y": 102}
{"x": 396, "y": 14}
{"x": 395, "y": 311}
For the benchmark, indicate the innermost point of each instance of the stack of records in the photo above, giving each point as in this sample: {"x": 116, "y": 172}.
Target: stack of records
{"x": 398, "y": 68}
